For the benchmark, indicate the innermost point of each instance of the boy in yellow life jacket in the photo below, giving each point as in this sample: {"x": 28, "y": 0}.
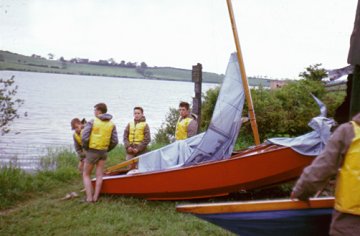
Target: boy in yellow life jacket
{"x": 136, "y": 135}
{"x": 77, "y": 126}
{"x": 340, "y": 157}
{"x": 98, "y": 138}
{"x": 186, "y": 126}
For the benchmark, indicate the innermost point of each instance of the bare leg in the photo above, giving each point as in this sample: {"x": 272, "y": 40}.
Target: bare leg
{"x": 99, "y": 179}
{"x": 87, "y": 181}
{"x": 81, "y": 166}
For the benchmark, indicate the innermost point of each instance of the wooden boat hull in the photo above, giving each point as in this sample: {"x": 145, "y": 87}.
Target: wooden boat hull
{"x": 276, "y": 217}
{"x": 258, "y": 167}
{"x": 254, "y": 168}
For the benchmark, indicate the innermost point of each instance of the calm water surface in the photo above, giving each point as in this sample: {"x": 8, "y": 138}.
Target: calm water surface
{"x": 52, "y": 100}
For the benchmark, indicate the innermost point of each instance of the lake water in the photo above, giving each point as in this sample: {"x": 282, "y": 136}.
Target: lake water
{"x": 52, "y": 100}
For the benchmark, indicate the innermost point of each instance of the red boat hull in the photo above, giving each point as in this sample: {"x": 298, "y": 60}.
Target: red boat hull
{"x": 254, "y": 168}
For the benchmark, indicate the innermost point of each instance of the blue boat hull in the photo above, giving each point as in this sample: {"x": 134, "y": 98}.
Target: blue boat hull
{"x": 301, "y": 222}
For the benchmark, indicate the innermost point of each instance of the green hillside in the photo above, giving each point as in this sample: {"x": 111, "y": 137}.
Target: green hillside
{"x": 13, "y": 61}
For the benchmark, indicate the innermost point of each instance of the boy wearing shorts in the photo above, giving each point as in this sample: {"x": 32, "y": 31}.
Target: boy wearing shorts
{"x": 98, "y": 137}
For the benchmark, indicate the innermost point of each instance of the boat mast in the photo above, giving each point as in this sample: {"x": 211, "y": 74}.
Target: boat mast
{"x": 243, "y": 75}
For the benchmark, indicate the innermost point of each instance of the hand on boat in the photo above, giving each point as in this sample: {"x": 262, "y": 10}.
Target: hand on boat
{"x": 292, "y": 196}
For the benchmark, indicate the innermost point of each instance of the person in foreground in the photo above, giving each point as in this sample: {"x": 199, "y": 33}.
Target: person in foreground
{"x": 186, "y": 126}
{"x": 136, "y": 135}
{"x": 78, "y": 126}
{"x": 342, "y": 151}
{"x": 98, "y": 137}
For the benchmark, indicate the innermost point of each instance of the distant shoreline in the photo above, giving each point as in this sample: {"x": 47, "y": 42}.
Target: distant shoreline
{"x": 110, "y": 76}
{"x": 17, "y": 62}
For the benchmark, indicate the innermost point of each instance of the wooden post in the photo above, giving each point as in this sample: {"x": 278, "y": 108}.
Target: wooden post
{"x": 197, "y": 79}
{"x": 243, "y": 76}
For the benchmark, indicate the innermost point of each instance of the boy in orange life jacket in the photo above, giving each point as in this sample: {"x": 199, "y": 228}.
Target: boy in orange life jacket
{"x": 136, "y": 135}
{"x": 186, "y": 126}
{"x": 77, "y": 126}
{"x": 342, "y": 151}
{"x": 98, "y": 137}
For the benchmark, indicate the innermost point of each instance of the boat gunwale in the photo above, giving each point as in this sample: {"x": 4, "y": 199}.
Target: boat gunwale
{"x": 200, "y": 165}
{"x": 256, "y": 206}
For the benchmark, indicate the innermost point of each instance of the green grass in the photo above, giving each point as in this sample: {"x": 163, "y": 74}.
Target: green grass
{"x": 112, "y": 215}
{"x": 55, "y": 170}
{"x": 30, "y": 204}
{"x": 37, "y": 208}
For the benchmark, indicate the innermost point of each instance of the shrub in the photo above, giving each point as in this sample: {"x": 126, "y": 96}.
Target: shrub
{"x": 207, "y": 107}
{"x": 166, "y": 132}
{"x": 281, "y": 112}
{"x": 8, "y": 104}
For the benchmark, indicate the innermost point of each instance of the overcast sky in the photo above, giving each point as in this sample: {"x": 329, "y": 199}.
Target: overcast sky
{"x": 279, "y": 38}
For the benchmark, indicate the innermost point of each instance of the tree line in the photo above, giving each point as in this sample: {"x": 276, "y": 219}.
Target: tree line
{"x": 281, "y": 112}
{"x": 107, "y": 62}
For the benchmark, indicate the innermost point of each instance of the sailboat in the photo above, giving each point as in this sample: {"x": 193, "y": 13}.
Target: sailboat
{"x": 206, "y": 165}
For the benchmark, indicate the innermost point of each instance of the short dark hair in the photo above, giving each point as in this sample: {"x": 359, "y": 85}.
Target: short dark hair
{"x": 101, "y": 107}
{"x": 74, "y": 122}
{"x": 139, "y": 108}
{"x": 185, "y": 104}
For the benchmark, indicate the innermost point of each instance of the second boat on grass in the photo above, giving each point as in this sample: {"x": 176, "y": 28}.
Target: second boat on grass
{"x": 273, "y": 217}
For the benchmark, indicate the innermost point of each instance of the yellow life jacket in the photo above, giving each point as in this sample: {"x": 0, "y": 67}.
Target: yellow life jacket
{"x": 78, "y": 138}
{"x": 136, "y": 132}
{"x": 101, "y": 134}
{"x": 181, "y": 132}
{"x": 347, "y": 192}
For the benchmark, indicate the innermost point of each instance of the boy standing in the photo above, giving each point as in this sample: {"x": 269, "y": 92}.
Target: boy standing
{"x": 340, "y": 157}
{"x": 99, "y": 137}
{"x": 186, "y": 126}
{"x": 77, "y": 126}
{"x": 136, "y": 135}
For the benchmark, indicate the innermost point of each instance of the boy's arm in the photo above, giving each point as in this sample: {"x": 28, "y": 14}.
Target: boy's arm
{"x": 126, "y": 136}
{"x": 113, "y": 140}
{"x": 147, "y": 139}
{"x": 86, "y": 134}
{"x": 192, "y": 128}
{"x": 79, "y": 150}
{"x": 325, "y": 166}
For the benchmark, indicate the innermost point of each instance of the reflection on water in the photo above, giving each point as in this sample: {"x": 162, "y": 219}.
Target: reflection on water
{"x": 52, "y": 100}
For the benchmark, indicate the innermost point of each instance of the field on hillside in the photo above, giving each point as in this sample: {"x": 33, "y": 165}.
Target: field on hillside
{"x": 12, "y": 61}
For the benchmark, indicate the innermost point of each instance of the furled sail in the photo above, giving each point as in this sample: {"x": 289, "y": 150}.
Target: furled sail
{"x": 218, "y": 141}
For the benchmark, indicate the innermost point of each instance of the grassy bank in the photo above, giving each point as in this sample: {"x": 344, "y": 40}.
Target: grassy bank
{"x": 17, "y": 185}
{"x": 57, "y": 169}
{"x": 31, "y": 205}
{"x": 17, "y": 62}
{"x": 47, "y": 215}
